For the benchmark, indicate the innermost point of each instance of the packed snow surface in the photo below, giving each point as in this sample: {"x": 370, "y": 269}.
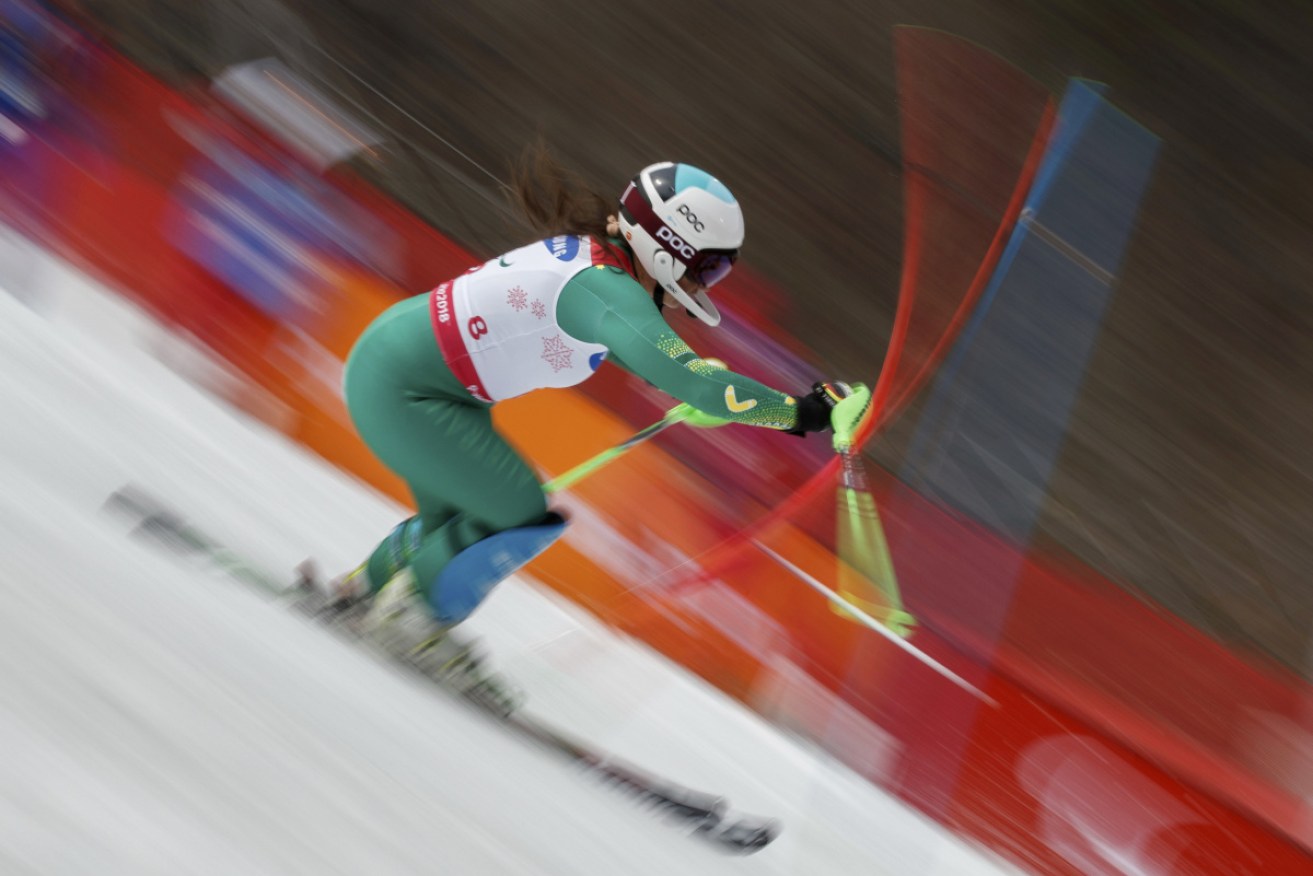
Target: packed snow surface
{"x": 157, "y": 717}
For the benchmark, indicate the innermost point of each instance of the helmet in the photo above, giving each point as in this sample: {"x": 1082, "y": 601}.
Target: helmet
{"x": 681, "y": 220}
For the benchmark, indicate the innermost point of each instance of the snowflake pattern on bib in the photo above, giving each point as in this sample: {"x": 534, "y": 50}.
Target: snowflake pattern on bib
{"x": 556, "y": 352}
{"x": 498, "y": 330}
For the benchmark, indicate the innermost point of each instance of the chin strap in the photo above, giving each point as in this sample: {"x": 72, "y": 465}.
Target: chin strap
{"x": 659, "y": 299}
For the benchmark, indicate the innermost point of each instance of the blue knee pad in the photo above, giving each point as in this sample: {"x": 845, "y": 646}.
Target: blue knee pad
{"x": 466, "y": 581}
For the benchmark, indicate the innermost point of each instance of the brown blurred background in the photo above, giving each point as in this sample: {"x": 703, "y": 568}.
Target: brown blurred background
{"x": 1188, "y": 472}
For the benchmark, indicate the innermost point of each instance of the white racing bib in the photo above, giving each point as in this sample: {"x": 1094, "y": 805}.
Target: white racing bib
{"x": 496, "y": 324}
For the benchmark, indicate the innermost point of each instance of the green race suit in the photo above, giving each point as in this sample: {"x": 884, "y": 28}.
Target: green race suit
{"x": 428, "y": 425}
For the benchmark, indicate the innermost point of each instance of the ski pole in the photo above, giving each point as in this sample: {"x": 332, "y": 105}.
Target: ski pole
{"x": 678, "y": 414}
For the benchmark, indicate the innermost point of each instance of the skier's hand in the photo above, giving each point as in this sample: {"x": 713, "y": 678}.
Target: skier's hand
{"x": 815, "y": 408}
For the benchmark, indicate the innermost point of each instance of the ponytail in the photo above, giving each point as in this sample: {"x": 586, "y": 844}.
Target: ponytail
{"x": 554, "y": 200}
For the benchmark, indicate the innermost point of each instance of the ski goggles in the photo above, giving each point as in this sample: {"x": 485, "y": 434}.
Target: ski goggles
{"x": 712, "y": 267}
{"x": 706, "y": 267}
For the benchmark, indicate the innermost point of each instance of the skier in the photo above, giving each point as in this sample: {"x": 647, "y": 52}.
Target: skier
{"x": 421, "y": 380}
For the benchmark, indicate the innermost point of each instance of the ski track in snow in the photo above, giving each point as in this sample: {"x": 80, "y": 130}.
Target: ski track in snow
{"x": 158, "y": 718}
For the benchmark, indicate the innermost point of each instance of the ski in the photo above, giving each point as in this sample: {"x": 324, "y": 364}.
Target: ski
{"x": 707, "y": 816}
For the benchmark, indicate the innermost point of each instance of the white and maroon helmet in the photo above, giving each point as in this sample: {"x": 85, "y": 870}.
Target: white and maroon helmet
{"x": 681, "y": 220}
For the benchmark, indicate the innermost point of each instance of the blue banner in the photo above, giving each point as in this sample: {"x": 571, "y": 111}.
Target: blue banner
{"x": 996, "y": 418}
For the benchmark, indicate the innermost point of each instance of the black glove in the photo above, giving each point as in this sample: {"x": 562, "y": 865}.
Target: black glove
{"x": 814, "y": 408}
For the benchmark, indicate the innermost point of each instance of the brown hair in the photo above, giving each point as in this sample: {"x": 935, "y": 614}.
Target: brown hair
{"x": 553, "y": 199}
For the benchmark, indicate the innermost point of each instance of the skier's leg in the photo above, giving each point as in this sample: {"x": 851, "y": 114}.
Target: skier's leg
{"x": 483, "y": 476}
{"x": 467, "y": 481}
{"x": 397, "y": 551}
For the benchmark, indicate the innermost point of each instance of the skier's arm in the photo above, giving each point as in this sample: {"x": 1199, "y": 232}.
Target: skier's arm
{"x": 605, "y": 307}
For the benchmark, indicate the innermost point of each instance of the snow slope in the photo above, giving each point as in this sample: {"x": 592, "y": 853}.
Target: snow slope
{"x": 158, "y": 718}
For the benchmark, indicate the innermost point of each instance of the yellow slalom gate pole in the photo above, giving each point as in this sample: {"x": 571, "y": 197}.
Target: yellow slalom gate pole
{"x": 867, "y": 579}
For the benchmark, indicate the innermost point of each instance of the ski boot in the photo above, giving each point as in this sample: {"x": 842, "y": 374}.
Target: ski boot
{"x": 457, "y": 664}
{"x": 400, "y": 623}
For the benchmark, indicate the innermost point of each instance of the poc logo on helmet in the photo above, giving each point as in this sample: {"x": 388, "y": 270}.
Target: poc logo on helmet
{"x": 675, "y": 242}
{"x": 692, "y": 218}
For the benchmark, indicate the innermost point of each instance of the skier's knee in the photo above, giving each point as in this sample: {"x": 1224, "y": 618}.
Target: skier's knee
{"x": 470, "y": 576}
